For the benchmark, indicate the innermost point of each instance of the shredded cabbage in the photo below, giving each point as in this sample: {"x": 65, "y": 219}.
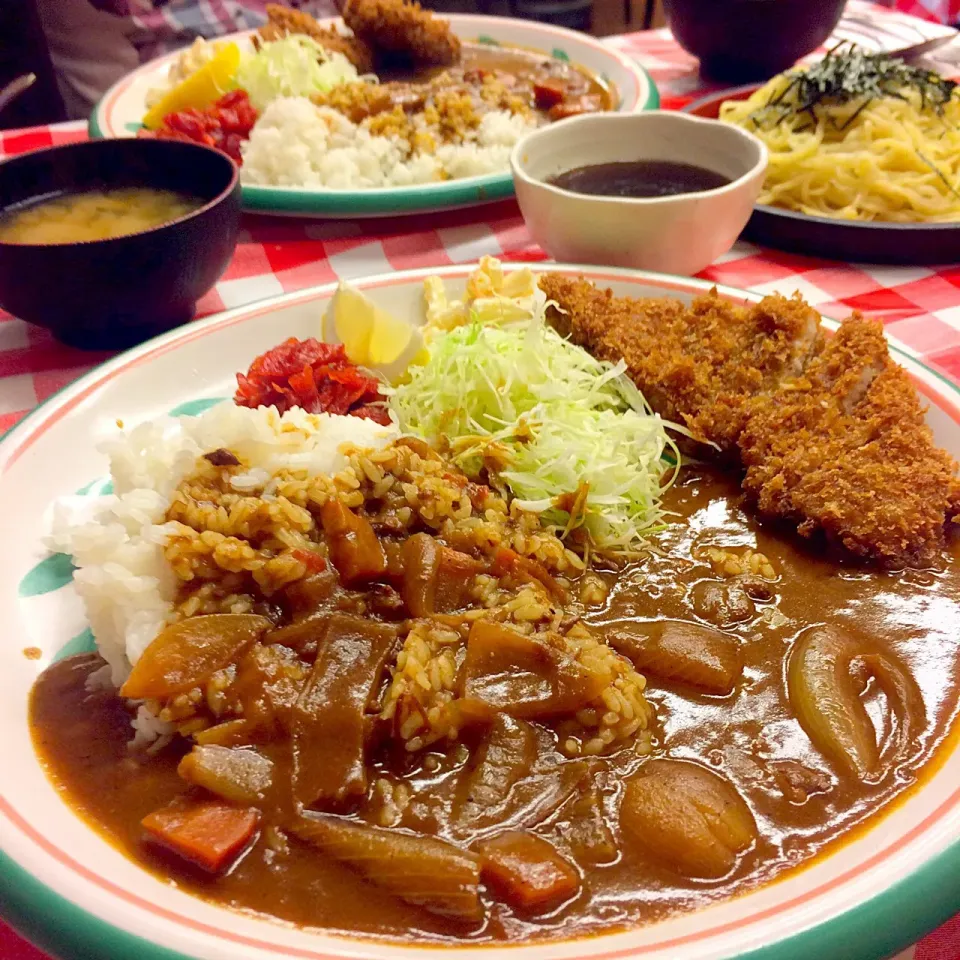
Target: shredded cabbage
{"x": 568, "y": 435}
{"x": 294, "y": 66}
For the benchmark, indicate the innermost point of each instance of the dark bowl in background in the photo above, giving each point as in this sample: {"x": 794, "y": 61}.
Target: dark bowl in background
{"x": 108, "y": 294}
{"x": 741, "y": 40}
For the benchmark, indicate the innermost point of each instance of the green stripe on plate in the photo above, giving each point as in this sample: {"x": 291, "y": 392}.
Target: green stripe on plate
{"x": 81, "y": 643}
{"x": 51, "y": 573}
{"x": 61, "y": 928}
{"x": 879, "y": 928}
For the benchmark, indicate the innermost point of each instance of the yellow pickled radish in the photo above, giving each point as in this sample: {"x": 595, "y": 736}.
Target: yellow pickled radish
{"x": 370, "y": 336}
{"x": 200, "y": 89}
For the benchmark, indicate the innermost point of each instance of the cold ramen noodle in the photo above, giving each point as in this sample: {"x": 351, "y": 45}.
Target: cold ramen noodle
{"x": 393, "y": 99}
{"x": 579, "y": 622}
{"x": 858, "y": 136}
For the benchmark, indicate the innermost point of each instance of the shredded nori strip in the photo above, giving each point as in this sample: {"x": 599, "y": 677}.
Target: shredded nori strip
{"x": 847, "y": 73}
{"x": 940, "y": 174}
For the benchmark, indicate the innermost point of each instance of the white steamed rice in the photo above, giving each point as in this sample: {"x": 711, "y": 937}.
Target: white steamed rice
{"x": 297, "y": 144}
{"x": 117, "y": 541}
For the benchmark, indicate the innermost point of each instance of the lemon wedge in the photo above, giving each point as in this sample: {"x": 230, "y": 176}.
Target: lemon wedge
{"x": 200, "y": 89}
{"x": 370, "y": 336}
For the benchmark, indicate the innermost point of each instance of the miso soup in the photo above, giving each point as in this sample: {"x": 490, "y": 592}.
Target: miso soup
{"x": 93, "y": 215}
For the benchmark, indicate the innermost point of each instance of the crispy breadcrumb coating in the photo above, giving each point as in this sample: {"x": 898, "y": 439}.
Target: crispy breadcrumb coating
{"x": 404, "y": 28}
{"x": 845, "y": 450}
{"x": 831, "y": 431}
{"x": 282, "y": 21}
{"x": 699, "y": 366}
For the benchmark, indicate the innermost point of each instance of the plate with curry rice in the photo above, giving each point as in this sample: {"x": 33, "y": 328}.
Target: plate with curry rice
{"x": 476, "y": 605}
{"x": 395, "y": 111}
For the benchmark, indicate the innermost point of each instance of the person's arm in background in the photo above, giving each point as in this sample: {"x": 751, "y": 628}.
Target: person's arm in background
{"x": 95, "y": 42}
{"x": 172, "y": 24}
{"x": 90, "y": 50}
{"x": 23, "y": 49}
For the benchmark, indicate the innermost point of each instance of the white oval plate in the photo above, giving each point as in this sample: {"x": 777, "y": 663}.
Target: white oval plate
{"x": 64, "y": 886}
{"x": 122, "y": 108}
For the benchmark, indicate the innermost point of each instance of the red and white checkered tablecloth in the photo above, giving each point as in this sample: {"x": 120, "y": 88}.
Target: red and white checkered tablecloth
{"x": 941, "y": 11}
{"x": 919, "y": 305}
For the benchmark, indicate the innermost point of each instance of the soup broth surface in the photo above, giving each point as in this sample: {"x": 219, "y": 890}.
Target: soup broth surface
{"x": 93, "y": 215}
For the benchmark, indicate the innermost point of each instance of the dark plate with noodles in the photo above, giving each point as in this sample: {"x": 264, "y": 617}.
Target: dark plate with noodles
{"x": 816, "y": 199}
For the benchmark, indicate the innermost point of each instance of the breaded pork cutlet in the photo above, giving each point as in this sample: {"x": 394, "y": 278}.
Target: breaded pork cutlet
{"x": 699, "y": 366}
{"x": 845, "y": 449}
{"x": 283, "y": 21}
{"x": 831, "y": 431}
{"x": 403, "y": 29}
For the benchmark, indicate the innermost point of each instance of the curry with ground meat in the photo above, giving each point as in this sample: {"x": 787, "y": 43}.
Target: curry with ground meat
{"x": 555, "y": 87}
{"x": 521, "y": 825}
{"x": 484, "y": 78}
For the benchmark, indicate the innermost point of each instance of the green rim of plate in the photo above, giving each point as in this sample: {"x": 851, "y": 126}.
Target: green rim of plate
{"x": 469, "y": 191}
{"x": 887, "y": 923}
{"x": 879, "y": 928}
{"x": 387, "y": 201}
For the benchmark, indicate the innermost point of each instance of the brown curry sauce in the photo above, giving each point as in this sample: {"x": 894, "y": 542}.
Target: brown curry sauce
{"x": 801, "y": 805}
{"x": 557, "y": 88}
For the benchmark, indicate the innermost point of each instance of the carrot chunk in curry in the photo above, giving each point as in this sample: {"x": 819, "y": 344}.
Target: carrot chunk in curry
{"x": 354, "y": 548}
{"x": 210, "y": 835}
{"x": 527, "y": 871}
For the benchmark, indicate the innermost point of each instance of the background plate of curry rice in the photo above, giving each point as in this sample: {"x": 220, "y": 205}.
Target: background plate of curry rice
{"x": 884, "y": 871}
{"x": 122, "y": 108}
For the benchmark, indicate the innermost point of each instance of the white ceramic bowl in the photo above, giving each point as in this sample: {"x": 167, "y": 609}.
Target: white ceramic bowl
{"x": 675, "y": 234}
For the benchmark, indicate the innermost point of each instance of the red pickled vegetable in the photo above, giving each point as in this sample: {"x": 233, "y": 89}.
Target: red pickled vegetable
{"x": 549, "y": 92}
{"x": 224, "y": 124}
{"x": 315, "y": 376}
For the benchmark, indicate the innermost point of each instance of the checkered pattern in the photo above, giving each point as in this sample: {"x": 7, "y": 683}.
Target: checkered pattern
{"x": 941, "y": 11}
{"x": 163, "y": 25}
{"x": 919, "y": 305}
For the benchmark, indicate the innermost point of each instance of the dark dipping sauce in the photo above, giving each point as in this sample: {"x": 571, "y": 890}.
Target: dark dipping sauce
{"x": 639, "y": 178}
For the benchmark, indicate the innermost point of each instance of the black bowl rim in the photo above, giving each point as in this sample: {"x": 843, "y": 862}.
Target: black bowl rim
{"x": 880, "y": 226}
{"x": 99, "y": 145}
